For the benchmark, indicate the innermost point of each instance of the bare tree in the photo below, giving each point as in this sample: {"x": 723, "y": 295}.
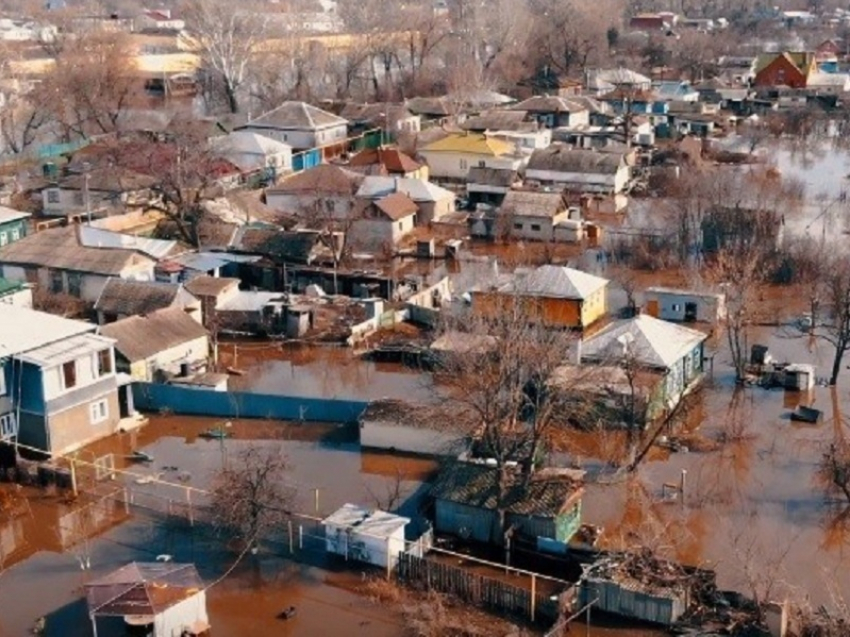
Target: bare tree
{"x": 252, "y": 496}
{"x": 831, "y": 309}
{"x": 226, "y": 36}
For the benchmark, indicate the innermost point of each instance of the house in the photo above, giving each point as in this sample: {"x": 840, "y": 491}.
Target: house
{"x": 280, "y": 246}
{"x": 555, "y": 296}
{"x": 64, "y": 261}
{"x": 451, "y": 158}
{"x": 466, "y": 504}
{"x": 226, "y": 308}
{"x": 58, "y": 387}
{"x": 433, "y": 201}
{"x": 391, "y": 118}
{"x": 490, "y": 185}
{"x": 252, "y": 152}
{"x": 325, "y": 191}
{"x": 159, "y": 20}
{"x": 529, "y": 214}
{"x": 674, "y": 352}
{"x": 13, "y": 225}
{"x": 686, "y": 306}
{"x": 101, "y": 192}
{"x": 15, "y": 293}
{"x": 388, "y": 161}
{"x": 159, "y": 345}
{"x": 552, "y": 111}
{"x": 399, "y": 426}
{"x": 430, "y": 108}
{"x": 583, "y": 171}
{"x": 120, "y": 299}
{"x": 621, "y": 78}
{"x": 365, "y": 535}
{"x": 688, "y": 123}
{"x": 675, "y": 91}
{"x": 787, "y": 68}
{"x": 169, "y": 596}
{"x": 381, "y": 223}
{"x": 652, "y": 22}
{"x": 300, "y": 125}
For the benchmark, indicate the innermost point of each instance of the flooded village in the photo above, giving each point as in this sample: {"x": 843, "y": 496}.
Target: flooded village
{"x": 465, "y": 317}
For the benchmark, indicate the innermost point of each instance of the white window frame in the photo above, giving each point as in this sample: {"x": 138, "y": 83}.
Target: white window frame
{"x": 53, "y": 195}
{"x": 3, "y": 239}
{"x": 16, "y": 234}
{"x": 98, "y": 411}
{"x": 8, "y": 426}
{"x": 62, "y": 382}
{"x": 2, "y": 382}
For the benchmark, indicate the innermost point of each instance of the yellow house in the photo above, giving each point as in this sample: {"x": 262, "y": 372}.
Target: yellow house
{"x": 453, "y": 156}
{"x": 554, "y": 296}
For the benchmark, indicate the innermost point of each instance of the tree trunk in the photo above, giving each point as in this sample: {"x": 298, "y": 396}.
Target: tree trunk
{"x": 230, "y": 93}
{"x": 836, "y": 362}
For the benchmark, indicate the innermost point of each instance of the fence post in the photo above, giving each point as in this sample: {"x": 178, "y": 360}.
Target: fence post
{"x": 289, "y": 527}
{"x": 189, "y": 504}
{"x": 300, "y": 536}
{"x": 126, "y": 501}
{"x": 533, "y": 594}
{"x": 389, "y": 557}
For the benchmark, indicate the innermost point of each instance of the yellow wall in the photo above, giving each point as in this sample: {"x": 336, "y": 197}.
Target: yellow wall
{"x": 594, "y": 307}
{"x": 568, "y": 313}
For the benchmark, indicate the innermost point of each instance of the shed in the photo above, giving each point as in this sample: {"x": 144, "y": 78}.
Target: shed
{"x": 375, "y": 537}
{"x": 466, "y": 500}
{"x": 688, "y": 306}
{"x": 166, "y": 599}
{"x": 800, "y": 376}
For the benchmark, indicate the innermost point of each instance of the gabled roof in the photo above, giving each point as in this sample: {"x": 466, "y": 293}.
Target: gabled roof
{"x": 323, "y": 179}
{"x": 435, "y": 106}
{"x": 61, "y": 249}
{"x": 249, "y": 143}
{"x": 142, "y": 589}
{"x": 470, "y": 143}
{"x": 129, "y": 298}
{"x": 528, "y": 203}
{"x": 563, "y": 158}
{"x": 108, "y": 179}
{"x": 392, "y": 159}
{"x": 141, "y": 337}
{"x": 557, "y": 282}
{"x": 396, "y": 206}
{"x": 297, "y": 116}
{"x": 277, "y": 244}
{"x": 548, "y": 493}
{"x": 550, "y": 104}
{"x": 25, "y": 329}
{"x": 801, "y": 60}
{"x": 93, "y": 237}
{"x": 377, "y": 113}
{"x": 9, "y": 214}
{"x": 210, "y": 285}
{"x": 419, "y": 190}
{"x": 499, "y": 119}
{"x": 652, "y": 342}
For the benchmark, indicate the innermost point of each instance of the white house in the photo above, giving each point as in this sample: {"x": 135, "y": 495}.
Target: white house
{"x": 684, "y": 305}
{"x": 252, "y": 152}
{"x": 164, "y": 343}
{"x": 324, "y": 192}
{"x": 63, "y": 261}
{"x": 451, "y": 158}
{"x": 374, "y": 537}
{"x": 101, "y": 192}
{"x": 587, "y": 171}
{"x": 300, "y": 125}
{"x": 382, "y": 223}
{"x": 433, "y": 201}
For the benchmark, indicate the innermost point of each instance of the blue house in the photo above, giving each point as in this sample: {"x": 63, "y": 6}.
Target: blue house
{"x": 58, "y": 385}
{"x": 13, "y": 225}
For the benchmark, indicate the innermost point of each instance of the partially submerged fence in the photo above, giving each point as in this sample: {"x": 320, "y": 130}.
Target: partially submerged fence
{"x": 478, "y": 590}
{"x": 219, "y": 404}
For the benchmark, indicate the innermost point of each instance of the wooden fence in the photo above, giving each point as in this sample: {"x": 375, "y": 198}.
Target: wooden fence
{"x": 478, "y": 590}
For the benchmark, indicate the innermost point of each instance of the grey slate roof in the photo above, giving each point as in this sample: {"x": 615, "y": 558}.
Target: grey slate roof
{"x": 553, "y": 281}
{"x": 475, "y": 485}
{"x": 121, "y": 296}
{"x": 296, "y": 116}
{"x": 141, "y": 337}
{"x": 492, "y": 176}
{"x": 562, "y": 158}
{"x": 527, "y": 203}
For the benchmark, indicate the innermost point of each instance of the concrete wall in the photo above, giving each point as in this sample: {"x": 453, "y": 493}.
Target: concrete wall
{"x": 302, "y": 140}
{"x": 304, "y": 205}
{"x": 585, "y": 182}
{"x": 73, "y": 428}
{"x": 670, "y": 306}
{"x": 395, "y": 436}
{"x": 194, "y": 352}
{"x": 378, "y": 234}
{"x": 445, "y": 165}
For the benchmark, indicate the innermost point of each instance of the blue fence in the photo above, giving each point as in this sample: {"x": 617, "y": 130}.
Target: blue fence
{"x": 204, "y": 402}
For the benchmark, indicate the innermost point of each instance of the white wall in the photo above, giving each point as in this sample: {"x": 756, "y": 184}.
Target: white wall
{"x": 362, "y": 547}
{"x": 169, "y": 360}
{"x": 301, "y": 140}
{"x": 389, "y": 434}
{"x": 456, "y": 165}
{"x": 374, "y": 234}
{"x": 172, "y": 622}
{"x": 591, "y": 182}
{"x": 86, "y": 366}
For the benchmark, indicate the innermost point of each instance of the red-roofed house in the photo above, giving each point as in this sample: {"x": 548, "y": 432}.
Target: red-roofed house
{"x": 389, "y": 161}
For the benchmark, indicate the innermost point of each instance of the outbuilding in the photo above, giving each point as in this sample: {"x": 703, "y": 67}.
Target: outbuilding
{"x": 375, "y": 537}
{"x": 685, "y": 306}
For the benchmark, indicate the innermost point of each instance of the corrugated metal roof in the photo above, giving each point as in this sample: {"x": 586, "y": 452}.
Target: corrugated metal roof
{"x": 373, "y": 523}
{"x": 65, "y": 350}
{"x": 9, "y": 214}
{"x": 296, "y": 116}
{"x": 470, "y": 143}
{"x": 653, "y": 342}
{"x": 92, "y": 237}
{"x": 553, "y": 281}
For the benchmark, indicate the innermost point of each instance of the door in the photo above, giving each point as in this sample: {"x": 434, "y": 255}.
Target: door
{"x": 652, "y": 307}
{"x": 690, "y": 312}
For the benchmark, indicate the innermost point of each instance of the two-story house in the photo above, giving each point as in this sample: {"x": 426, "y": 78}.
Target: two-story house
{"x": 300, "y": 125}
{"x": 58, "y": 387}
{"x": 584, "y": 171}
{"x": 13, "y": 225}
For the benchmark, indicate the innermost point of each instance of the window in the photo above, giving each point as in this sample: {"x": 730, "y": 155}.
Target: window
{"x": 535, "y": 227}
{"x": 53, "y": 196}
{"x": 16, "y": 234}
{"x": 57, "y": 282}
{"x": 75, "y": 283}
{"x": 69, "y": 374}
{"x": 99, "y": 411}
{"x": 78, "y": 199}
{"x": 463, "y": 164}
{"x": 104, "y": 362}
{"x": 517, "y": 226}
{"x": 482, "y": 164}
{"x": 3, "y": 239}
{"x": 400, "y": 226}
{"x": 8, "y": 426}
{"x": 676, "y": 307}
